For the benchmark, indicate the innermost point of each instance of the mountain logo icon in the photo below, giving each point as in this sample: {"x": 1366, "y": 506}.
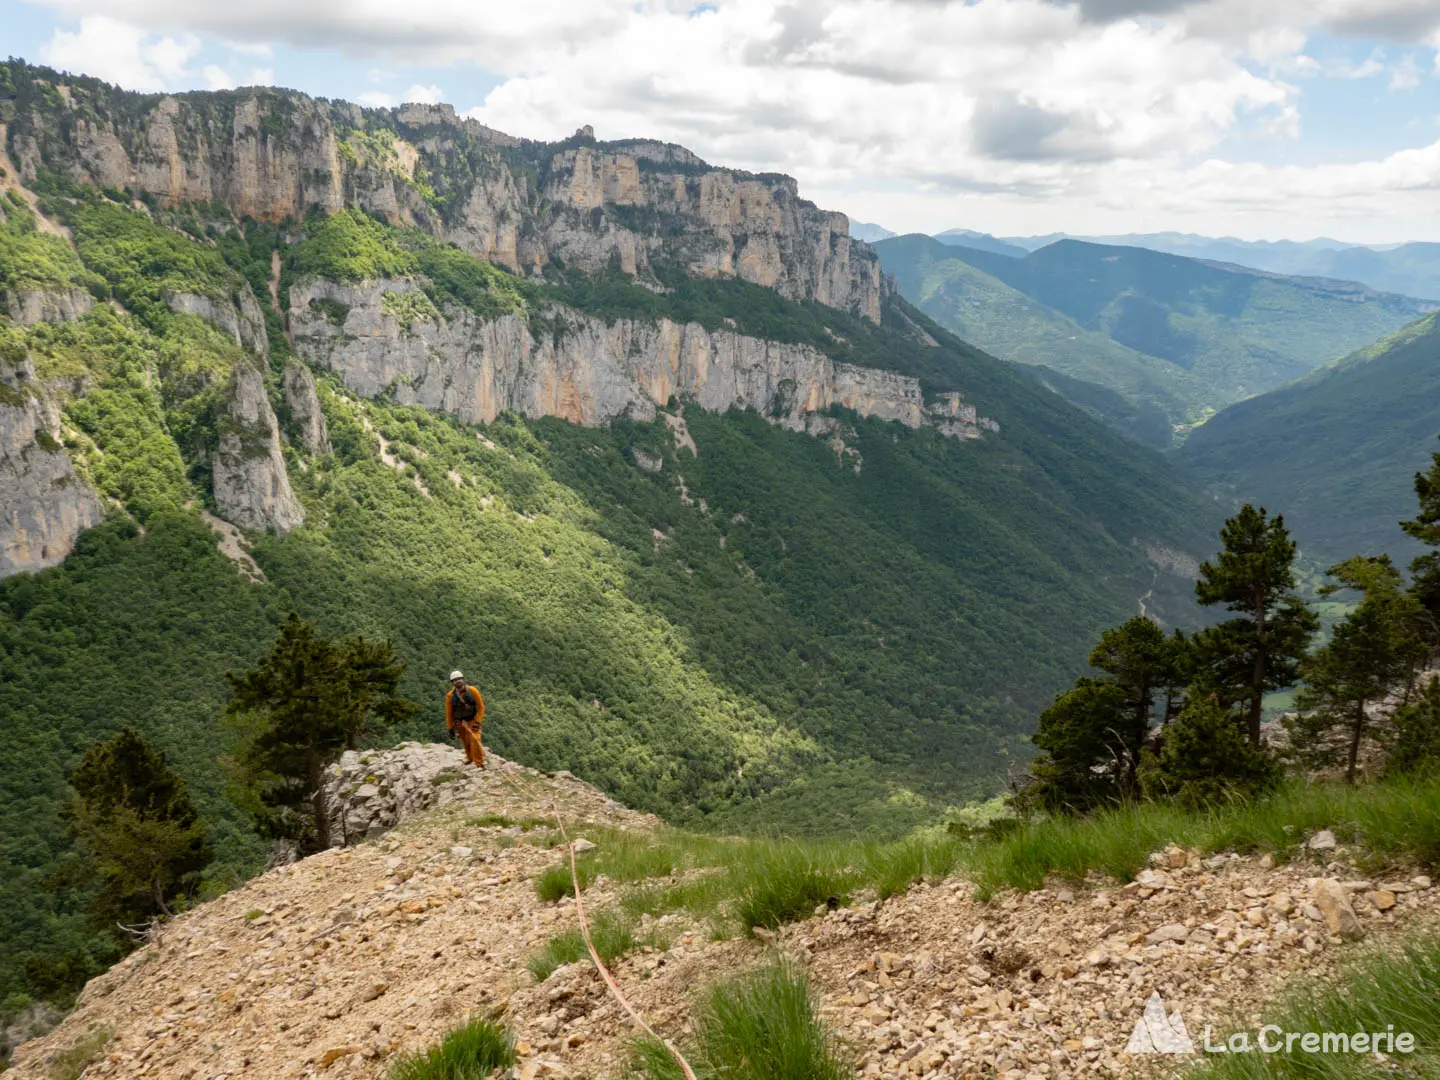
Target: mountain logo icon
{"x": 1157, "y": 1032}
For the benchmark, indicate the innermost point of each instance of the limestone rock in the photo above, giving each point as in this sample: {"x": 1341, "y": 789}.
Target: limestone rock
{"x": 30, "y": 306}
{"x": 251, "y": 485}
{"x": 239, "y": 317}
{"x": 275, "y": 155}
{"x": 44, "y": 506}
{"x": 304, "y": 406}
{"x": 1324, "y": 840}
{"x": 593, "y": 373}
{"x": 1333, "y": 900}
{"x": 372, "y": 791}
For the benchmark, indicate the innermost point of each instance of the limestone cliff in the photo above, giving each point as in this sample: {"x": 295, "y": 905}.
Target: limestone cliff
{"x": 240, "y": 317}
{"x": 304, "y": 406}
{"x": 251, "y": 486}
{"x": 521, "y": 204}
{"x": 44, "y": 506}
{"x": 589, "y": 373}
{"x": 30, "y": 306}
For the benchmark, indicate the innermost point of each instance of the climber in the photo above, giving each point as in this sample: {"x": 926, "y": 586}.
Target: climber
{"x": 464, "y": 710}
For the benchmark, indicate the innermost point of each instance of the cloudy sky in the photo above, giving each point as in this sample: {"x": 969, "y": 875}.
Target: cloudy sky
{"x": 1254, "y": 118}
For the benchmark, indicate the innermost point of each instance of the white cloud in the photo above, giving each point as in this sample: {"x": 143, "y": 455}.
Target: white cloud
{"x": 120, "y": 53}
{"x": 217, "y": 78}
{"x": 425, "y": 95}
{"x": 375, "y": 99}
{"x": 1406, "y": 74}
{"x": 1023, "y": 106}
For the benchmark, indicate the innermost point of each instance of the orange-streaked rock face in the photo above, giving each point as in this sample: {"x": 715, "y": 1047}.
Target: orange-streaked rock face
{"x": 276, "y": 155}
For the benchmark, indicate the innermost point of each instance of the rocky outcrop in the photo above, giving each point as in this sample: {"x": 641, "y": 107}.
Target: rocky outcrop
{"x": 251, "y": 485}
{"x": 304, "y": 406}
{"x": 239, "y": 317}
{"x": 952, "y": 416}
{"x": 518, "y": 203}
{"x": 44, "y": 506}
{"x": 30, "y": 306}
{"x": 590, "y": 372}
{"x": 369, "y": 792}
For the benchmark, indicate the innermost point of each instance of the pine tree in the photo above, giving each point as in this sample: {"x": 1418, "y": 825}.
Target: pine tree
{"x": 1425, "y": 527}
{"x": 1082, "y": 739}
{"x": 1205, "y": 757}
{"x": 1417, "y": 734}
{"x": 1261, "y": 649}
{"x": 133, "y": 819}
{"x": 1093, "y": 735}
{"x": 1374, "y": 650}
{"x": 307, "y": 702}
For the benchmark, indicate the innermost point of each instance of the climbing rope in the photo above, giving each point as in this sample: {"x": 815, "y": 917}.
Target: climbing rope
{"x": 605, "y": 974}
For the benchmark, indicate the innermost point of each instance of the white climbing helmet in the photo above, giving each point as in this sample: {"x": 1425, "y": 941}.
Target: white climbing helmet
{"x": 455, "y": 675}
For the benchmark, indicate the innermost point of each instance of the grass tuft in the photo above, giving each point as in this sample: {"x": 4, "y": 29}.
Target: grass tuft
{"x": 761, "y": 1026}
{"x": 614, "y": 936}
{"x": 471, "y": 1051}
{"x": 1396, "y": 990}
{"x": 71, "y": 1063}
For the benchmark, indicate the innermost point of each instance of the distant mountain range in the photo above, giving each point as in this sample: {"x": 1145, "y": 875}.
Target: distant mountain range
{"x": 862, "y": 230}
{"x": 1337, "y": 450}
{"x": 1410, "y": 269}
{"x": 1165, "y": 332}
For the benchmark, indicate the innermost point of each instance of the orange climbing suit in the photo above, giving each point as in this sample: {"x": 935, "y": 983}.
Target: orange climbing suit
{"x": 468, "y": 730}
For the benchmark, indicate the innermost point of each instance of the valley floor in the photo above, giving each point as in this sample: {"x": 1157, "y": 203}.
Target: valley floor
{"x": 329, "y": 967}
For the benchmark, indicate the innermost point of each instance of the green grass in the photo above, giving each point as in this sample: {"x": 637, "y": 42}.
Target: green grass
{"x": 613, "y": 935}
{"x": 470, "y": 1052}
{"x": 761, "y": 1026}
{"x": 1399, "y": 986}
{"x": 1394, "y": 822}
{"x": 758, "y": 882}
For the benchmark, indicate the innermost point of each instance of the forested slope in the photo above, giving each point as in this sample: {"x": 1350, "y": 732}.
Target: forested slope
{"x": 1338, "y": 448}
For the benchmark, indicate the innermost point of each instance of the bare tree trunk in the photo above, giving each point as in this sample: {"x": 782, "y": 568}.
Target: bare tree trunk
{"x": 1257, "y": 675}
{"x": 1357, "y": 730}
{"x": 320, "y": 806}
{"x": 160, "y": 898}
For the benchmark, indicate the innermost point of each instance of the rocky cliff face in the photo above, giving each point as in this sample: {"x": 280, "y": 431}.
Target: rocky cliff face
{"x": 44, "y": 506}
{"x": 240, "y": 317}
{"x": 30, "y": 306}
{"x": 251, "y": 486}
{"x": 521, "y": 204}
{"x": 589, "y": 373}
{"x": 305, "y": 414}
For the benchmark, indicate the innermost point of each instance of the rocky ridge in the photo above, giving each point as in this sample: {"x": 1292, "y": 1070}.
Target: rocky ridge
{"x": 328, "y": 967}
{"x": 592, "y": 373}
{"x": 521, "y": 204}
